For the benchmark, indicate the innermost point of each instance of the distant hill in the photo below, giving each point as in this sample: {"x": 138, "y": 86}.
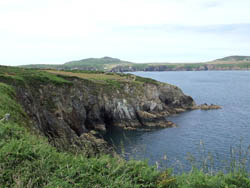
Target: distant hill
{"x": 110, "y": 64}
{"x": 91, "y": 64}
{"x": 99, "y": 64}
{"x": 235, "y": 58}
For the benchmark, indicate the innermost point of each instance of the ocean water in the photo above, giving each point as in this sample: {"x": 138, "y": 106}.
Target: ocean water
{"x": 214, "y": 136}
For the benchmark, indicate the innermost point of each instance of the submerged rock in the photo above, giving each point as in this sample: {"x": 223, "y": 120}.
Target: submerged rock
{"x": 207, "y": 107}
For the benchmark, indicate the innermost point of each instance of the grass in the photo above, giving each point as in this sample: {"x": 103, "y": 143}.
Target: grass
{"x": 113, "y": 79}
{"x": 29, "y": 161}
{"x": 19, "y": 76}
{"x": 88, "y": 75}
{"x": 8, "y": 104}
{"x": 199, "y": 179}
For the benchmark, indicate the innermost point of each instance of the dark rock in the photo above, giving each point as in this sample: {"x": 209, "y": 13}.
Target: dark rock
{"x": 205, "y": 106}
{"x": 68, "y": 114}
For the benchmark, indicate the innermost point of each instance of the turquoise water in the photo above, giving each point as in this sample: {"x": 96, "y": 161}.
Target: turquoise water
{"x": 200, "y": 133}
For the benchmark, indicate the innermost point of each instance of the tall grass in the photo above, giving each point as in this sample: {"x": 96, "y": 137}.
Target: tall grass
{"x": 29, "y": 161}
{"x": 203, "y": 172}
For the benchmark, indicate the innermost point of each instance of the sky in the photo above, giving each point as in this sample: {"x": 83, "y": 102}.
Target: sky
{"x": 58, "y": 31}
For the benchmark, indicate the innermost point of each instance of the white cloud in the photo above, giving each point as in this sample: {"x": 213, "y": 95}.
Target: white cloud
{"x": 61, "y": 30}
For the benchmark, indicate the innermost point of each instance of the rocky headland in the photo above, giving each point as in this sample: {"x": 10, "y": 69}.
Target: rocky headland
{"x": 73, "y": 109}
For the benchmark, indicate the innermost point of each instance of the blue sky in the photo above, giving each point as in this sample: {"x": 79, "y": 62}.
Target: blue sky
{"x": 57, "y": 31}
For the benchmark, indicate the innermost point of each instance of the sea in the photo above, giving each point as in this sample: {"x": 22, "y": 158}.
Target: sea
{"x": 214, "y": 140}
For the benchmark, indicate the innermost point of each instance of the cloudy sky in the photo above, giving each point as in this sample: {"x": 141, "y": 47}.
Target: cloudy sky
{"x": 57, "y": 31}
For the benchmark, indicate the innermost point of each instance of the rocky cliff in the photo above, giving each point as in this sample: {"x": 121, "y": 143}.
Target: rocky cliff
{"x": 75, "y": 113}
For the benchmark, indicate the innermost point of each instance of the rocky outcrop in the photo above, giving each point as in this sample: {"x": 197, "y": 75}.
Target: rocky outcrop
{"x": 5, "y": 118}
{"x": 69, "y": 114}
{"x": 207, "y": 107}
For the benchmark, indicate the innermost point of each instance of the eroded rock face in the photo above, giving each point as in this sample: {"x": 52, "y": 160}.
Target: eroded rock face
{"x": 71, "y": 112}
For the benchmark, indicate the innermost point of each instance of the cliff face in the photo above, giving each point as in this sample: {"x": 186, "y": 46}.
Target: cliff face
{"x": 75, "y": 114}
{"x": 73, "y": 109}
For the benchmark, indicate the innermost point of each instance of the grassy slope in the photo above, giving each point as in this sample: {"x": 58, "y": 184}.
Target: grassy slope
{"x": 27, "y": 160}
{"x": 98, "y": 77}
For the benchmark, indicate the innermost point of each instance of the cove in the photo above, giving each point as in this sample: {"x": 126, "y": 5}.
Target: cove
{"x": 198, "y": 133}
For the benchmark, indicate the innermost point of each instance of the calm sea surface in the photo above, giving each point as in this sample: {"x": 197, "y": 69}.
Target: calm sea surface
{"x": 199, "y": 133}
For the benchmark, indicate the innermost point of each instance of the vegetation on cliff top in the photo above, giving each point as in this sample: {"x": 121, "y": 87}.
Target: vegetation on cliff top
{"x": 15, "y": 75}
{"x": 28, "y": 160}
{"x": 103, "y": 77}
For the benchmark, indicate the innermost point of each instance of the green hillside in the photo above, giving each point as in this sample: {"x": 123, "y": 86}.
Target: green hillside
{"x": 98, "y": 64}
{"x": 91, "y": 64}
{"x": 235, "y": 58}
